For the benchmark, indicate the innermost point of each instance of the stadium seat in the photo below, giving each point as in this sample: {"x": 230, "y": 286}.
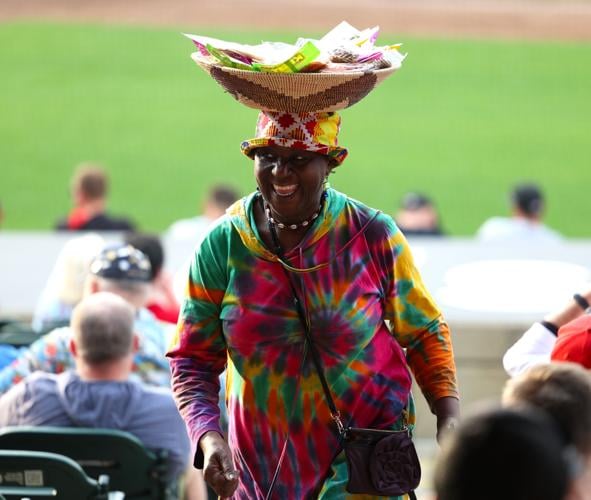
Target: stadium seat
{"x": 18, "y": 337}
{"x": 132, "y": 469}
{"x": 41, "y": 475}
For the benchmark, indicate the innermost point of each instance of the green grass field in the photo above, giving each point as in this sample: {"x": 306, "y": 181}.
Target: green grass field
{"x": 462, "y": 121}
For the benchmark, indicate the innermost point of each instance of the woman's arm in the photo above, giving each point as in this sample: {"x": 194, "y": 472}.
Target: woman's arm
{"x": 447, "y": 411}
{"x": 198, "y": 351}
{"x": 417, "y": 324}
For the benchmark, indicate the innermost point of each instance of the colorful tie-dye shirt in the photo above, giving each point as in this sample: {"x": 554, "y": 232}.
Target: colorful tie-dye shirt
{"x": 365, "y": 301}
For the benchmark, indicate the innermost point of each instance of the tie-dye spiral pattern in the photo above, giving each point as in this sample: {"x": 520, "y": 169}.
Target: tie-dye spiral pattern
{"x": 364, "y": 306}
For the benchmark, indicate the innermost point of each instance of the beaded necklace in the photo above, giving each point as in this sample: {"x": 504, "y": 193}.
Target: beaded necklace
{"x": 298, "y": 225}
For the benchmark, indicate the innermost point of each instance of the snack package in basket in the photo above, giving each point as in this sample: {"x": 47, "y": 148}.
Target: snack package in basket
{"x": 344, "y": 48}
{"x": 309, "y": 75}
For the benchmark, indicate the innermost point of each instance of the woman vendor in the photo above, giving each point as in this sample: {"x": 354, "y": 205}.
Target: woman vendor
{"x": 365, "y": 304}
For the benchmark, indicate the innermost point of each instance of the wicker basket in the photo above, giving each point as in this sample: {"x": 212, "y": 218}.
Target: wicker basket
{"x": 296, "y": 93}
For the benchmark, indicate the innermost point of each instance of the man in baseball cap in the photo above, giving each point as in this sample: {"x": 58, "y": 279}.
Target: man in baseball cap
{"x": 124, "y": 271}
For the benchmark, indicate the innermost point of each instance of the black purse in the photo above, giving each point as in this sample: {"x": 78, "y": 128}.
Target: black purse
{"x": 379, "y": 462}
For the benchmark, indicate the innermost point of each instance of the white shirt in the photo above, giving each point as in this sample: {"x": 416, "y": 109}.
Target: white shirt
{"x": 189, "y": 229}
{"x": 533, "y": 348}
{"x": 514, "y": 229}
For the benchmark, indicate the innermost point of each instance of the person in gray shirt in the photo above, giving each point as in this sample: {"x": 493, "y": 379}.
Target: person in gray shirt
{"x": 99, "y": 392}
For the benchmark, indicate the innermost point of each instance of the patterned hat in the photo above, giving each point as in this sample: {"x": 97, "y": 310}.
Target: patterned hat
{"x": 122, "y": 262}
{"x": 316, "y": 132}
{"x": 574, "y": 342}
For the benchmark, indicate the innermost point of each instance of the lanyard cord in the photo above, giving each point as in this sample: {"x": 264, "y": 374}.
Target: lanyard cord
{"x": 284, "y": 449}
{"x": 281, "y": 256}
{"x": 302, "y": 270}
{"x": 315, "y": 356}
{"x": 305, "y": 320}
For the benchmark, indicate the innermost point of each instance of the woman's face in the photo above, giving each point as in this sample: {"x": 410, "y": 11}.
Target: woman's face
{"x": 290, "y": 180}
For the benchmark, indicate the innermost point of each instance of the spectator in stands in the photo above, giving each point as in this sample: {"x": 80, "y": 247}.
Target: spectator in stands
{"x": 535, "y": 346}
{"x": 124, "y": 271}
{"x": 219, "y": 198}
{"x": 525, "y": 224}
{"x": 89, "y": 191}
{"x": 100, "y": 393}
{"x": 65, "y": 285}
{"x": 417, "y": 216}
{"x": 513, "y": 454}
{"x": 162, "y": 302}
{"x": 563, "y": 391}
{"x": 190, "y": 232}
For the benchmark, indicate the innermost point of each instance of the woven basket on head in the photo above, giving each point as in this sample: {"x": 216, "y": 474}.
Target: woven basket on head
{"x": 296, "y": 92}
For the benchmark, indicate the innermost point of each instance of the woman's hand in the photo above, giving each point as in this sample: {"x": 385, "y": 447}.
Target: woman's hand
{"x": 218, "y": 468}
{"x": 447, "y": 411}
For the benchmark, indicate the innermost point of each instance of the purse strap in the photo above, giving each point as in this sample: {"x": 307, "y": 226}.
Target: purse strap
{"x": 315, "y": 357}
{"x": 305, "y": 320}
{"x": 334, "y": 413}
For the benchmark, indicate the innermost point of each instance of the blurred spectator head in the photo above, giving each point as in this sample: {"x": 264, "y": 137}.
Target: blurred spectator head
{"x": 89, "y": 188}
{"x": 574, "y": 342}
{"x": 162, "y": 301}
{"x": 415, "y": 201}
{"x": 417, "y": 215}
{"x": 89, "y": 183}
{"x": 563, "y": 390}
{"x": 123, "y": 270}
{"x": 102, "y": 327}
{"x": 503, "y": 453}
{"x": 527, "y": 201}
{"x": 66, "y": 282}
{"x": 219, "y": 198}
{"x": 151, "y": 246}
{"x": 73, "y": 266}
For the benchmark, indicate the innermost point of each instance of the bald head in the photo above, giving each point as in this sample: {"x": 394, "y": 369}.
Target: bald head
{"x": 102, "y": 326}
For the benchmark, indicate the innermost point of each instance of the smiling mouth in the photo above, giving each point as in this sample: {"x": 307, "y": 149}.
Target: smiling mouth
{"x": 285, "y": 190}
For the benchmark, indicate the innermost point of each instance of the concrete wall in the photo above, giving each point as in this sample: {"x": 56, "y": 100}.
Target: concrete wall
{"x": 478, "y": 351}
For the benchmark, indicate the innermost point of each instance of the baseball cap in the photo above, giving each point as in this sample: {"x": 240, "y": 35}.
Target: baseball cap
{"x": 574, "y": 342}
{"x": 122, "y": 262}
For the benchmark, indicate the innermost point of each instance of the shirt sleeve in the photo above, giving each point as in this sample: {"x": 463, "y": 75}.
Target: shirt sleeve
{"x": 150, "y": 365}
{"x": 198, "y": 350}
{"x": 417, "y": 323}
{"x": 50, "y": 354}
{"x": 533, "y": 348}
